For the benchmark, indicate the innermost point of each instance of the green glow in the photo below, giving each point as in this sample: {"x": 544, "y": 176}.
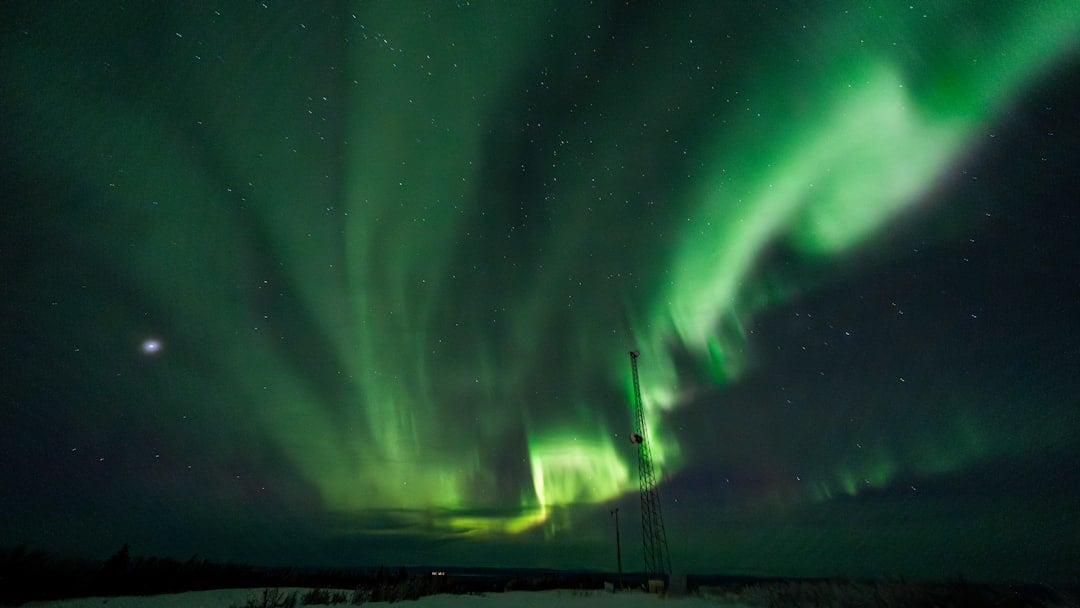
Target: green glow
{"x": 495, "y": 525}
{"x": 870, "y": 474}
{"x": 957, "y": 440}
{"x": 359, "y": 278}
{"x": 567, "y": 469}
{"x": 872, "y": 158}
{"x": 823, "y": 182}
{"x": 830, "y": 181}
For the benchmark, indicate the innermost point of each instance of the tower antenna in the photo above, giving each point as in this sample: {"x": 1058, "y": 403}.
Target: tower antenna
{"x": 653, "y": 536}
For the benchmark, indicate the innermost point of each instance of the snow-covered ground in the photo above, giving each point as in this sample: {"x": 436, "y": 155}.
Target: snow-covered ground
{"x": 512, "y": 599}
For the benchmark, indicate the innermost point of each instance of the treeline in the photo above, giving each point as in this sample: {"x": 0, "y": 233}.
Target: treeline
{"x": 891, "y": 593}
{"x": 29, "y": 575}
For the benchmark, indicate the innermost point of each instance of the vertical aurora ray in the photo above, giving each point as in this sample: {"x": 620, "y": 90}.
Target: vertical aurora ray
{"x": 414, "y": 350}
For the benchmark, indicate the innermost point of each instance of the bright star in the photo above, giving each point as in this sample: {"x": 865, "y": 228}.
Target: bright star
{"x": 151, "y": 346}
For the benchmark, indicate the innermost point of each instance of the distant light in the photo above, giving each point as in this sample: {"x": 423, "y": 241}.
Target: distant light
{"x": 151, "y": 346}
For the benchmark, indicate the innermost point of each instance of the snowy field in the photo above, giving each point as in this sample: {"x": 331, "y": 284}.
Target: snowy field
{"x": 512, "y": 599}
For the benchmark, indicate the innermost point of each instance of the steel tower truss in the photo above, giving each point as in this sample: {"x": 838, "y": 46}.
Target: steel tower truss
{"x": 653, "y": 536}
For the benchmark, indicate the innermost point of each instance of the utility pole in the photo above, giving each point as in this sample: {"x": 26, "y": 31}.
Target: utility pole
{"x": 618, "y": 545}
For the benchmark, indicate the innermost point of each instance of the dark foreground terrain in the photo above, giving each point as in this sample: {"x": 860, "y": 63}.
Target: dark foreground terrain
{"x": 26, "y": 576}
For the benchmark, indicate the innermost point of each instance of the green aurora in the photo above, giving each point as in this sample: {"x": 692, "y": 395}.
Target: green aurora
{"x": 396, "y": 255}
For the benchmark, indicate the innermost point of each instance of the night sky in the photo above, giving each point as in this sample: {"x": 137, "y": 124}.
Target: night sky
{"x": 354, "y": 283}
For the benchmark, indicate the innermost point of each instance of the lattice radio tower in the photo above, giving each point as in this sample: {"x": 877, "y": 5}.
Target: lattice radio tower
{"x": 653, "y": 537}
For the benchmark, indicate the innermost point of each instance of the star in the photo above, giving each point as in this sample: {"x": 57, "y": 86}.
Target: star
{"x": 151, "y": 346}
